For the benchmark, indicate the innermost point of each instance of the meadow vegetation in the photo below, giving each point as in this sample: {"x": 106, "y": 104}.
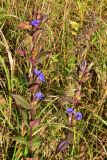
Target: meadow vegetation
{"x": 48, "y": 67}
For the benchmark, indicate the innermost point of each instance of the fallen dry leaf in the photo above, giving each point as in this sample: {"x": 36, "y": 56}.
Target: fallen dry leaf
{"x": 24, "y": 25}
{"x": 2, "y": 100}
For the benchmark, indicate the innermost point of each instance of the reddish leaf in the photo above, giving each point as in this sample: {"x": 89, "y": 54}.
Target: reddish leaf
{"x": 62, "y": 146}
{"x": 36, "y": 158}
{"x": 34, "y": 123}
{"x": 21, "y": 52}
{"x": 32, "y": 60}
{"x": 70, "y": 136}
{"x": 75, "y": 101}
{"x": 69, "y": 99}
{"x": 24, "y": 25}
{"x": 34, "y": 87}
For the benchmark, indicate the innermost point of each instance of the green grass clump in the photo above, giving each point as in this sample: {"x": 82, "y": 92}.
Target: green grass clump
{"x": 75, "y": 31}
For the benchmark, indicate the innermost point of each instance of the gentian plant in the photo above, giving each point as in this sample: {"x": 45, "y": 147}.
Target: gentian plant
{"x": 35, "y": 80}
{"x": 72, "y": 113}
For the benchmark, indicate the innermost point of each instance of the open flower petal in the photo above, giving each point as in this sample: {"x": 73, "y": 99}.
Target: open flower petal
{"x": 78, "y": 116}
{"x": 35, "y": 22}
{"x": 39, "y": 95}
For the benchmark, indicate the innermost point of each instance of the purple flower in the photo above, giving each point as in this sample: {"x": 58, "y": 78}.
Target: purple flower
{"x": 78, "y": 116}
{"x": 40, "y": 75}
{"x": 37, "y": 72}
{"x": 39, "y": 95}
{"x": 70, "y": 110}
{"x": 35, "y": 22}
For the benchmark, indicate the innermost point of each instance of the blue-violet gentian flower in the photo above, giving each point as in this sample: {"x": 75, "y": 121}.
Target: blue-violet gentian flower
{"x": 78, "y": 116}
{"x": 39, "y": 95}
{"x": 35, "y": 22}
{"x": 70, "y": 110}
{"x": 40, "y": 75}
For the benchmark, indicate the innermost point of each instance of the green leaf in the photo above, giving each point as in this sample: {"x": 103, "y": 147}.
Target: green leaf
{"x": 21, "y": 101}
{"x": 21, "y": 140}
{"x": 36, "y": 141}
{"x": 25, "y": 117}
{"x": 26, "y": 151}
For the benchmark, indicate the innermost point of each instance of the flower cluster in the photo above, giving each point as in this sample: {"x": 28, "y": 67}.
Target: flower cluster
{"x": 84, "y": 75}
{"x": 41, "y": 77}
{"x": 37, "y": 77}
{"x": 77, "y": 115}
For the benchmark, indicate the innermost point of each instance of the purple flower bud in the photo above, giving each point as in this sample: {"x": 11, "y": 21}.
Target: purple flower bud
{"x": 83, "y": 66}
{"x": 39, "y": 95}
{"x": 35, "y": 22}
{"x": 40, "y": 75}
{"x": 78, "y": 116}
{"x": 70, "y": 110}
